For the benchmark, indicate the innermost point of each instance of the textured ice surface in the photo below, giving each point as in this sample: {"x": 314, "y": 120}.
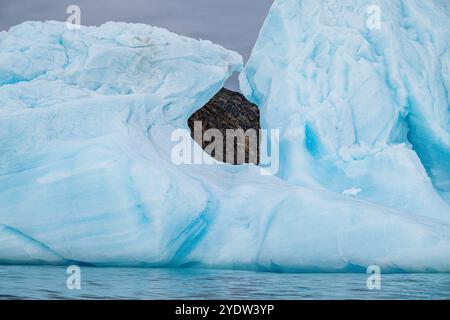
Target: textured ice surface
{"x": 85, "y": 123}
{"x": 359, "y": 107}
{"x": 86, "y": 176}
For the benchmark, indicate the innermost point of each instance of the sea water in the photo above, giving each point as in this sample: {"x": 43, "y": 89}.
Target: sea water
{"x": 50, "y": 282}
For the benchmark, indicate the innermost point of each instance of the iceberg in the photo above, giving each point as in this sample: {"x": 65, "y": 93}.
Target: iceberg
{"x": 359, "y": 91}
{"x": 87, "y": 173}
{"x": 85, "y": 122}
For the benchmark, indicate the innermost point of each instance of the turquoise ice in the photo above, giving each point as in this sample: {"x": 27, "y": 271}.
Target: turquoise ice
{"x": 362, "y": 105}
{"x": 86, "y": 175}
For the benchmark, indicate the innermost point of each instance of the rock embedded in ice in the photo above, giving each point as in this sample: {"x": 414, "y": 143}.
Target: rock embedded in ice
{"x": 229, "y": 110}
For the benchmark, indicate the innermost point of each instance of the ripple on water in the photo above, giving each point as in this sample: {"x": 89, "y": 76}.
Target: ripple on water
{"x": 49, "y": 282}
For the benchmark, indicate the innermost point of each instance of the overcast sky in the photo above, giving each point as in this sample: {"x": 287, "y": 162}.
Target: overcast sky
{"x": 232, "y": 23}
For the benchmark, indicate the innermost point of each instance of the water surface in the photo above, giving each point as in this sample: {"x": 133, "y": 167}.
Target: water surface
{"x": 44, "y": 282}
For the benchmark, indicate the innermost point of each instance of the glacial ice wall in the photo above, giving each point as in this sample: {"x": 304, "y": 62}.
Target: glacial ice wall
{"x": 86, "y": 175}
{"x": 363, "y": 107}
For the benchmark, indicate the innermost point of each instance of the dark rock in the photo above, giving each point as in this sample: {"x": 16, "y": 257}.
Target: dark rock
{"x": 230, "y": 110}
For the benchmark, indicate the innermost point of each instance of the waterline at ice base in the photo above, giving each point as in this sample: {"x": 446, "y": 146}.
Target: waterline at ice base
{"x": 87, "y": 118}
